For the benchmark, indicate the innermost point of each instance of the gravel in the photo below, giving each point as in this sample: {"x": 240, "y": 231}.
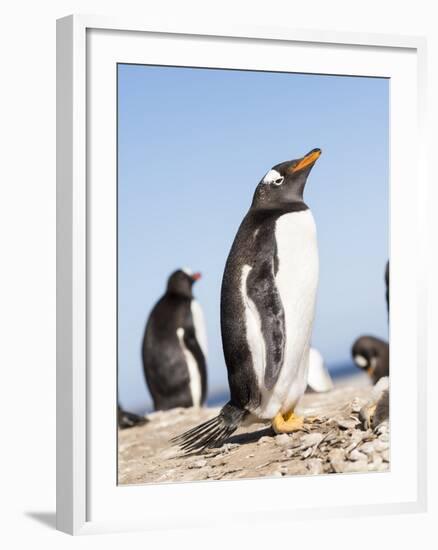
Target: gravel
{"x": 333, "y": 440}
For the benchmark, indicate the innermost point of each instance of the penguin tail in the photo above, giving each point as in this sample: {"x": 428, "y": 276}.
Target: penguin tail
{"x": 212, "y": 433}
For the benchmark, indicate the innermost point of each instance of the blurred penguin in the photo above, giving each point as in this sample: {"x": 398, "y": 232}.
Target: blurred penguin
{"x": 127, "y": 419}
{"x": 371, "y": 355}
{"x": 318, "y": 378}
{"x": 175, "y": 346}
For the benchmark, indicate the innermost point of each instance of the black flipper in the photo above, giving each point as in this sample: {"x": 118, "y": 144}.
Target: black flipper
{"x": 212, "y": 433}
{"x": 261, "y": 288}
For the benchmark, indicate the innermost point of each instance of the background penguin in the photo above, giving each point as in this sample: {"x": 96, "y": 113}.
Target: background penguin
{"x": 127, "y": 419}
{"x": 318, "y": 378}
{"x": 175, "y": 346}
{"x": 372, "y": 355}
{"x": 267, "y": 307}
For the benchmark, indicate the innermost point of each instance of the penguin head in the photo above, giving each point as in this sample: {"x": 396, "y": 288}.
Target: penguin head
{"x": 181, "y": 281}
{"x": 282, "y": 186}
{"x": 371, "y": 355}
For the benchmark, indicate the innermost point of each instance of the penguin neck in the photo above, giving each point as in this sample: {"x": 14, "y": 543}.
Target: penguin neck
{"x": 279, "y": 210}
{"x": 179, "y": 295}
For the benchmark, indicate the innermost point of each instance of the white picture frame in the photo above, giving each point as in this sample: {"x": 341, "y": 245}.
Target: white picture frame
{"x": 88, "y": 47}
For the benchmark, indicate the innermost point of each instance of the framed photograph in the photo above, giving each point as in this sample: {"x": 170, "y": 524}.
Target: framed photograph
{"x": 241, "y": 275}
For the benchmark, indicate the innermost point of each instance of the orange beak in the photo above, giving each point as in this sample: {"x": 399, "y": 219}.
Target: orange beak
{"x": 309, "y": 159}
{"x": 196, "y": 276}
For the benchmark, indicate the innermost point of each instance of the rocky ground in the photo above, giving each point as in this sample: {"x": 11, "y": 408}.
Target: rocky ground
{"x": 334, "y": 441}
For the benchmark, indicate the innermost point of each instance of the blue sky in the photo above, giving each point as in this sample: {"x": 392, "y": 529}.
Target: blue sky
{"x": 194, "y": 143}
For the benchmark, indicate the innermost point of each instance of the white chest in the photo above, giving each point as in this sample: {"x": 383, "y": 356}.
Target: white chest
{"x": 297, "y": 279}
{"x": 200, "y": 328}
{"x": 296, "y": 282}
{"x": 193, "y": 369}
{"x": 297, "y": 251}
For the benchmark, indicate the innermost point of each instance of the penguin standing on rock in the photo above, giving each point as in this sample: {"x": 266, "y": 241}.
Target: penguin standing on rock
{"x": 267, "y": 308}
{"x": 175, "y": 346}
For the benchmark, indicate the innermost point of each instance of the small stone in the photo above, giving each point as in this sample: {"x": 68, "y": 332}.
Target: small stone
{"x": 367, "y": 448}
{"x": 358, "y": 466}
{"x": 356, "y": 455}
{"x": 307, "y": 452}
{"x": 297, "y": 467}
{"x": 218, "y": 461}
{"x": 357, "y": 435}
{"x": 283, "y": 440}
{"x": 337, "y": 460}
{"x": 271, "y": 469}
{"x": 264, "y": 439}
{"x": 197, "y": 464}
{"x": 347, "y": 423}
{"x": 310, "y": 440}
{"x": 375, "y": 463}
{"x": 314, "y": 465}
{"x": 380, "y": 445}
{"x": 330, "y": 437}
{"x": 355, "y": 438}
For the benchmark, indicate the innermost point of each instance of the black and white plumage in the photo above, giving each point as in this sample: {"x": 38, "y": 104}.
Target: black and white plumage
{"x": 267, "y": 305}
{"x": 175, "y": 346}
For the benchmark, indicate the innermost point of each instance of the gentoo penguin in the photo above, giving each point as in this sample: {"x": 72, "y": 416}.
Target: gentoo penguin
{"x": 318, "y": 378}
{"x": 372, "y": 355}
{"x": 267, "y": 307}
{"x": 127, "y": 419}
{"x": 175, "y": 346}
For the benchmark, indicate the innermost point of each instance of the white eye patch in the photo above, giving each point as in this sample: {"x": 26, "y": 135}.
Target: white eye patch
{"x": 273, "y": 177}
{"x": 361, "y": 361}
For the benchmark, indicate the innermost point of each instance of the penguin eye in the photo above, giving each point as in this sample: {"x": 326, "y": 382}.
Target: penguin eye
{"x": 273, "y": 177}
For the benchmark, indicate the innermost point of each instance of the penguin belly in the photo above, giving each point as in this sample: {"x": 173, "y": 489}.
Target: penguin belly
{"x": 195, "y": 383}
{"x": 296, "y": 281}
